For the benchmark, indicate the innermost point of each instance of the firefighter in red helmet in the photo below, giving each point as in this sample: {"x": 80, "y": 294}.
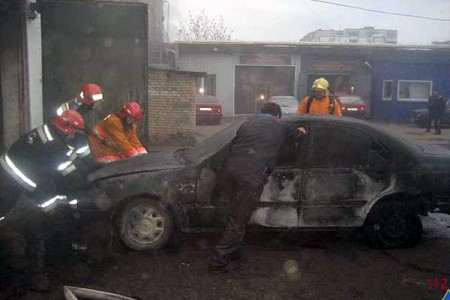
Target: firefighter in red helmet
{"x": 115, "y": 137}
{"x": 38, "y": 172}
{"x": 85, "y": 103}
{"x": 42, "y": 152}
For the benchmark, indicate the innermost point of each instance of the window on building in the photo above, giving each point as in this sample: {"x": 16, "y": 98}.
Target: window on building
{"x": 210, "y": 84}
{"x": 414, "y": 90}
{"x": 387, "y": 89}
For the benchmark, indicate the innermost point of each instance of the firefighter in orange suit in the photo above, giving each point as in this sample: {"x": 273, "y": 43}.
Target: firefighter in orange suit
{"x": 320, "y": 102}
{"x": 115, "y": 136}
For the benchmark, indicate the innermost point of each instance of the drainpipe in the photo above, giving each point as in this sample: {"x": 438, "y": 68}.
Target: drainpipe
{"x": 33, "y": 60}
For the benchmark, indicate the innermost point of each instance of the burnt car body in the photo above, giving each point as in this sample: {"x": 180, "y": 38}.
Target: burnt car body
{"x": 346, "y": 173}
{"x": 207, "y": 110}
{"x": 419, "y": 116}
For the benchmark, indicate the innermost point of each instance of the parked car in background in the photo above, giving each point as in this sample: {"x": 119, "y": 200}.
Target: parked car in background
{"x": 352, "y": 106}
{"x": 419, "y": 116}
{"x": 208, "y": 110}
{"x": 288, "y": 104}
{"x": 367, "y": 178}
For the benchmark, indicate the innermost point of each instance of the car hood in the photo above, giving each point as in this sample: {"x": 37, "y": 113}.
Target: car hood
{"x": 289, "y": 110}
{"x": 353, "y": 103}
{"x": 153, "y": 161}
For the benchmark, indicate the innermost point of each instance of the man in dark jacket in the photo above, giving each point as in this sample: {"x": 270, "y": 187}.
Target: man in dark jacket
{"x": 251, "y": 159}
{"x": 436, "y": 110}
{"x": 45, "y": 164}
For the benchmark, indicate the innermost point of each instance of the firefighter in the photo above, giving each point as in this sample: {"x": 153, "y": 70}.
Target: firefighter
{"x": 43, "y": 164}
{"x": 115, "y": 137}
{"x": 85, "y": 103}
{"x": 46, "y": 152}
{"x": 320, "y": 102}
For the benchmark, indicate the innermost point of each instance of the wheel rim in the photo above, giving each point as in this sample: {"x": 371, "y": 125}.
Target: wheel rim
{"x": 145, "y": 225}
{"x": 393, "y": 228}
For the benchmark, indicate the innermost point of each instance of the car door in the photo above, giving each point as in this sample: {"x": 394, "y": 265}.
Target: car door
{"x": 278, "y": 205}
{"x": 345, "y": 169}
{"x": 279, "y": 202}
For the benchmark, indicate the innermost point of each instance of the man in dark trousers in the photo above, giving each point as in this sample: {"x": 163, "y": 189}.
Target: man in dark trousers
{"x": 251, "y": 159}
{"x": 436, "y": 110}
{"x": 44, "y": 163}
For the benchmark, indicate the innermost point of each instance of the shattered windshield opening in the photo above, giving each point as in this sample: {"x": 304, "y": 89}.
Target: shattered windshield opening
{"x": 211, "y": 145}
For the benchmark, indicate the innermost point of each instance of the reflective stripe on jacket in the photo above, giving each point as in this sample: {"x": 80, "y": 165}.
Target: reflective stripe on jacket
{"x": 110, "y": 141}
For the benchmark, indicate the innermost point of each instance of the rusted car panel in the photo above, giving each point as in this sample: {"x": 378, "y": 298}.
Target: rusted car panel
{"x": 333, "y": 178}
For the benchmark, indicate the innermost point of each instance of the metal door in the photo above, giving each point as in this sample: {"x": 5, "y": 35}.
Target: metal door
{"x": 98, "y": 42}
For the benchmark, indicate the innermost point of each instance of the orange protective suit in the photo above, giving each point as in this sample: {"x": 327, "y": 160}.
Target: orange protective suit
{"x": 109, "y": 141}
{"x": 319, "y": 107}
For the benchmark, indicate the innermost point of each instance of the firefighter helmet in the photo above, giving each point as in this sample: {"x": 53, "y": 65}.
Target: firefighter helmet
{"x": 90, "y": 94}
{"x": 131, "y": 109}
{"x": 321, "y": 84}
{"x": 69, "y": 121}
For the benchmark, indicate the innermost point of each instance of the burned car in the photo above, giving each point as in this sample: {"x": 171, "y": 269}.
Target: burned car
{"x": 346, "y": 173}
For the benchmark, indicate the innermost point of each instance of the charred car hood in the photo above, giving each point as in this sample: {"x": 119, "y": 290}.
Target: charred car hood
{"x": 153, "y": 161}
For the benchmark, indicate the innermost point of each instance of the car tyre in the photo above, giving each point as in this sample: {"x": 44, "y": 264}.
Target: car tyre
{"x": 393, "y": 225}
{"x": 145, "y": 225}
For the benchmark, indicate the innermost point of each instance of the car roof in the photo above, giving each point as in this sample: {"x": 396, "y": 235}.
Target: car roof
{"x": 207, "y": 98}
{"x": 139, "y": 164}
{"x": 353, "y": 122}
{"x": 282, "y": 97}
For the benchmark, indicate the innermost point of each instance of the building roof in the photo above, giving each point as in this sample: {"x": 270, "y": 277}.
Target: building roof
{"x": 316, "y": 48}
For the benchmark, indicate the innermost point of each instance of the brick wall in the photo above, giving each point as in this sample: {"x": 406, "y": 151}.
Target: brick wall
{"x": 171, "y": 110}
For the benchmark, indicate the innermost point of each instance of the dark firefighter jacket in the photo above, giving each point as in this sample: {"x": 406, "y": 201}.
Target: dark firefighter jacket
{"x": 88, "y": 114}
{"x": 42, "y": 157}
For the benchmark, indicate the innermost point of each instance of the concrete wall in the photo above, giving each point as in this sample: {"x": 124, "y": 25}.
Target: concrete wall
{"x": 297, "y": 62}
{"x": 11, "y": 75}
{"x": 34, "y": 58}
{"x": 223, "y": 65}
{"x": 171, "y": 110}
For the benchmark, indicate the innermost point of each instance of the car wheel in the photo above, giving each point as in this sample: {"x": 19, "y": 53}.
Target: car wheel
{"x": 217, "y": 122}
{"x": 145, "y": 224}
{"x": 393, "y": 225}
